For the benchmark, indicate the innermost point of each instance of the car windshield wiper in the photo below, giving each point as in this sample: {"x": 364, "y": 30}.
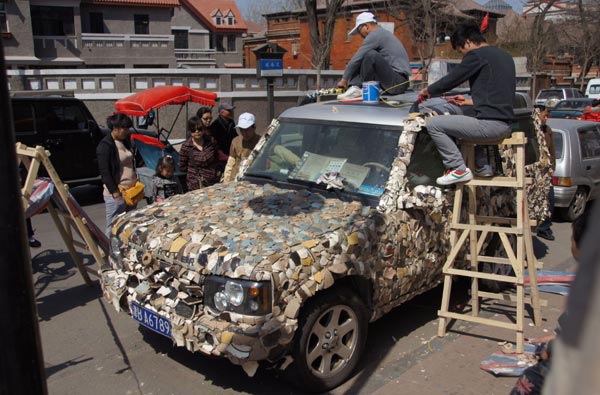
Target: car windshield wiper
{"x": 255, "y": 175}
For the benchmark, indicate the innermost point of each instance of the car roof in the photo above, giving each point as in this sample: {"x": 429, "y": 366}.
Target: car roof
{"x": 387, "y": 113}
{"x": 569, "y": 124}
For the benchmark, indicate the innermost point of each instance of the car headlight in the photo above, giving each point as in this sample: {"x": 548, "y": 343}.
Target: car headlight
{"x": 115, "y": 251}
{"x": 238, "y": 296}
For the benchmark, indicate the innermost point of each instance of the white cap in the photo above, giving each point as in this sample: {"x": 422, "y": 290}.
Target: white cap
{"x": 365, "y": 17}
{"x": 246, "y": 120}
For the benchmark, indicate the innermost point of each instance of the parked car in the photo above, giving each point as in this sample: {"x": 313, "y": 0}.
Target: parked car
{"x": 65, "y": 127}
{"x": 577, "y": 177}
{"x": 592, "y": 89}
{"x": 557, "y": 93}
{"x": 570, "y": 108}
{"x": 336, "y": 219}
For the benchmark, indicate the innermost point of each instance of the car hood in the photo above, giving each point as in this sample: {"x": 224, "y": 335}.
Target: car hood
{"x": 234, "y": 222}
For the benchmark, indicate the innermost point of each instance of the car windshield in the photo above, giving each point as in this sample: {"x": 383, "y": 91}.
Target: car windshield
{"x": 550, "y": 94}
{"x": 572, "y": 104}
{"x": 351, "y": 157}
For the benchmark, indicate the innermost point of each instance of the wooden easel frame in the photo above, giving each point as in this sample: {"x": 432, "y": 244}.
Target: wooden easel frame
{"x": 32, "y": 158}
{"x": 476, "y": 231}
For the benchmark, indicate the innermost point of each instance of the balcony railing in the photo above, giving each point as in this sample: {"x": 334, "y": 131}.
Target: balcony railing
{"x": 55, "y": 46}
{"x": 94, "y": 40}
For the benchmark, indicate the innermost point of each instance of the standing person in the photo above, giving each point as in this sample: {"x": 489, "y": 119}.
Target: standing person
{"x": 198, "y": 157}
{"x": 381, "y": 57}
{"x": 544, "y": 230}
{"x": 164, "y": 182}
{"x": 241, "y": 146}
{"x": 116, "y": 163}
{"x": 492, "y": 78}
{"x": 223, "y": 128}
{"x": 205, "y": 115}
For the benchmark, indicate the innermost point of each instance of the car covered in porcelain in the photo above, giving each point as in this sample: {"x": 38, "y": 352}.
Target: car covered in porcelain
{"x": 335, "y": 219}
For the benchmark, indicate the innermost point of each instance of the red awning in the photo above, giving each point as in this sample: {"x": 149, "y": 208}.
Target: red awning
{"x": 141, "y": 103}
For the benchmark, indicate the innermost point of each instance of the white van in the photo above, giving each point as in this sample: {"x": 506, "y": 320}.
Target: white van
{"x": 593, "y": 88}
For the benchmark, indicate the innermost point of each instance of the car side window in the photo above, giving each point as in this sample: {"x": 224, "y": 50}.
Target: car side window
{"x": 24, "y": 118}
{"x": 589, "y": 140}
{"x": 524, "y": 124}
{"x": 65, "y": 116}
{"x": 425, "y": 162}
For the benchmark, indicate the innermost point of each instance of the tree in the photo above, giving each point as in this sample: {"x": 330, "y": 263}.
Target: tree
{"x": 582, "y": 36}
{"x": 541, "y": 40}
{"x": 428, "y": 21}
{"x": 321, "y": 32}
{"x": 256, "y": 9}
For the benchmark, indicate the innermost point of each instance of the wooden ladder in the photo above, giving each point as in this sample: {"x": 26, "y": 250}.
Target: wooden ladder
{"x": 32, "y": 159}
{"x": 476, "y": 230}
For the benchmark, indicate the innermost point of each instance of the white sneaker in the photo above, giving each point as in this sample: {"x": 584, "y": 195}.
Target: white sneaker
{"x": 454, "y": 176}
{"x": 484, "y": 171}
{"x": 353, "y": 93}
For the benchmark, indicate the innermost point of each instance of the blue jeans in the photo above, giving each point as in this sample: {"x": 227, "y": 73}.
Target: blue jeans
{"x": 545, "y": 226}
{"x": 113, "y": 209}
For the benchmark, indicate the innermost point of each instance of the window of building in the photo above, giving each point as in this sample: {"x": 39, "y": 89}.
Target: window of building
{"x": 52, "y": 21}
{"x": 231, "y": 43}
{"x": 217, "y": 42}
{"x": 181, "y": 39}
{"x": 141, "y": 24}
{"x": 3, "y": 18}
{"x": 96, "y": 22}
{"x": 230, "y": 18}
{"x": 218, "y": 20}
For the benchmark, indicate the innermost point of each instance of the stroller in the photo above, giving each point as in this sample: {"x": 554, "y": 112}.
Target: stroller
{"x": 152, "y": 145}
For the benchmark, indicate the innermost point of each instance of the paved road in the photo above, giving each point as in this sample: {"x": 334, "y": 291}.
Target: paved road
{"x": 91, "y": 349}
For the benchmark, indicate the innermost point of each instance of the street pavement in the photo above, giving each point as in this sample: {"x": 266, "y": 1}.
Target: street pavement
{"x": 89, "y": 348}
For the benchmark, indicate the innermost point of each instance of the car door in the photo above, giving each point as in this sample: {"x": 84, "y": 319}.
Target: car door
{"x": 589, "y": 140}
{"x": 25, "y": 123}
{"x": 69, "y": 139}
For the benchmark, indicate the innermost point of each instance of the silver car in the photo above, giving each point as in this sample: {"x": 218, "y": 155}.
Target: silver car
{"x": 577, "y": 177}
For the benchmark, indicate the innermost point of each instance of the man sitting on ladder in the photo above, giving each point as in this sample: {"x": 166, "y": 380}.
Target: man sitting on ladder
{"x": 492, "y": 78}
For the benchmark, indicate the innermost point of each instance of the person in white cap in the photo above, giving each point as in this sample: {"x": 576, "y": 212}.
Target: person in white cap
{"x": 381, "y": 57}
{"x": 241, "y": 146}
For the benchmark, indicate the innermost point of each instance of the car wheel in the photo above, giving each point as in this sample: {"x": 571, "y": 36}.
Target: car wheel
{"x": 496, "y": 249}
{"x": 577, "y": 206}
{"x": 330, "y": 340}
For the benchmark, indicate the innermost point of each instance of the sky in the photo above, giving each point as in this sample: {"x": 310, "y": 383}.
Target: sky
{"x": 517, "y": 5}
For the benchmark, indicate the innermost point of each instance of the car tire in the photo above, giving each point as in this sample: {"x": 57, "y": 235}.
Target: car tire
{"x": 577, "y": 206}
{"x": 496, "y": 249}
{"x": 332, "y": 331}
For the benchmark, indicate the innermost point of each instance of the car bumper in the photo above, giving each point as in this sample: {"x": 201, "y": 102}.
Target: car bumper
{"x": 563, "y": 196}
{"x": 242, "y": 339}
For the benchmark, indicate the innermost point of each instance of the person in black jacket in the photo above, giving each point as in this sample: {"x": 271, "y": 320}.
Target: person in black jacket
{"x": 492, "y": 78}
{"x": 223, "y": 127}
{"x": 116, "y": 165}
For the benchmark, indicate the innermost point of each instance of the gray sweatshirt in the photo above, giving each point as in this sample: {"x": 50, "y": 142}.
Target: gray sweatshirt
{"x": 388, "y": 46}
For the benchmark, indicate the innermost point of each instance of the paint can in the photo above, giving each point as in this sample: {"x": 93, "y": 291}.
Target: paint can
{"x": 371, "y": 92}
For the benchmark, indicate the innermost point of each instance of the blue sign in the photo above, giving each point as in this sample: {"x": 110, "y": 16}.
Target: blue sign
{"x": 271, "y": 67}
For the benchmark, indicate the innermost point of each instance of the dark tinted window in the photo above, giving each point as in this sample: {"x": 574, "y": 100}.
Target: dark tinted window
{"x": 96, "y": 22}
{"x": 141, "y": 24}
{"x": 589, "y": 140}
{"x": 524, "y": 123}
{"x": 23, "y": 117}
{"x": 65, "y": 116}
{"x": 52, "y": 21}
{"x": 559, "y": 144}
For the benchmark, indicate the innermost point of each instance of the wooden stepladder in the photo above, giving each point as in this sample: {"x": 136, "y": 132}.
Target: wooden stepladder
{"x": 476, "y": 229}
{"x": 32, "y": 158}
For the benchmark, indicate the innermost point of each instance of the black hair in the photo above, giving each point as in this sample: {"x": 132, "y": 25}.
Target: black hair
{"x": 578, "y": 228}
{"x": 119, "y": 121}
{"x": 466, "y": 31}
{"x": 203, "y": 110}
{"x": 193, "y": 123}
{"x": 595, "y": 102}
{"x": 164, "y": 162}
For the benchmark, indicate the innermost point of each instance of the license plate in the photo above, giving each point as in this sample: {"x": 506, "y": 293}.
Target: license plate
{"x": 151, "y": 320}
